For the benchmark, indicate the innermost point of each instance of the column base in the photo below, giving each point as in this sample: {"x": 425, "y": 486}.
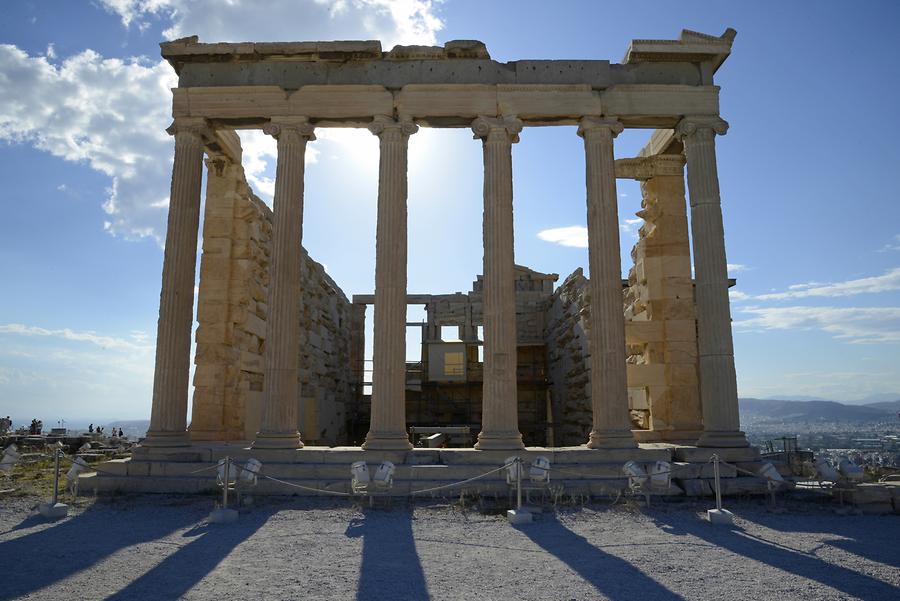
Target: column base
{"x": 684, "y": 437}
{"x": 730, "y": 439}
{"x": 387, "y": 441}
{"x": 277, "y": 440}
{"x": 166, "y": 439}
{"x": 611, "y": 439}
{"x": 499, "y": 441}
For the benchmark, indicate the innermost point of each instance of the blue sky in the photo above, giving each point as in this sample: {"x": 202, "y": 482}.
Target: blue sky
{"x": 808, "y": 177}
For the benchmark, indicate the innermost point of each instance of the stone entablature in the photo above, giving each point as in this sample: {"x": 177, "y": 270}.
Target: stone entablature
{"x": 349, "y": 83}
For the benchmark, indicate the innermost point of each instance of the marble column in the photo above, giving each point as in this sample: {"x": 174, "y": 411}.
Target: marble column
{"x": 718, "y": 382}
{"x": 168, "y": 415}
{"x": 278, "y": 428}
{"x": 499, "y": 417}
{"x": 387, "y": 426}
{"x": 606, "y": 336}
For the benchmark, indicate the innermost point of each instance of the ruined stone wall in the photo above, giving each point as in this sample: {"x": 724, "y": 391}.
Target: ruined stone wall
{"x": 567, "y": 360}
{"x": 232, "y": 311}
{"x": 661, "y": 332}
{"x": 231, "y": 308}
{"x": 330, "y": 329}
{"x": 459, "y": 402}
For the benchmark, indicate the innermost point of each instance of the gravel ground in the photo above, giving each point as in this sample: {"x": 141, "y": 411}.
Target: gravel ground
{"x": 162, "y": 548}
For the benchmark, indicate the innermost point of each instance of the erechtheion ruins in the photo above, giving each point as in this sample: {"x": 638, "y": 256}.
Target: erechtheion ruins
{"x": 591, "y": 372}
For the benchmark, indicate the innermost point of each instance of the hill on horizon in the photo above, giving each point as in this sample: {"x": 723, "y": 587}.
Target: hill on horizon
{"x": 782, "y": 410}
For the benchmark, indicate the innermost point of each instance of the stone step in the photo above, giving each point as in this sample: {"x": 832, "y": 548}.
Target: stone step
{"x": 449, "y": 473}
{"x": 704, "y": 487}
{"x": 92, "y": 483}
{"x": 347, "y": 455}
{"x": 703, "y": 454}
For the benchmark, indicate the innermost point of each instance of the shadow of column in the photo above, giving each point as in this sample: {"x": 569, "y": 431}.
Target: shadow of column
{"x": 390, "y": 568}
{"x": 782, "y": 558}
{"x": 78, "y": 543}
{"x": 614, "y": 577}
{"x": 181, "y": 571}
{"x": 865, "y": 536}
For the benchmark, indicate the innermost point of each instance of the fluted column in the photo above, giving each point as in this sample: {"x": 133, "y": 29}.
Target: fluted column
{"x": 168, "y": 415}
{"x": 387, "y": 426}
{"x": 606, "y": 335}
{"x": 499, "y": 417}
{"x": 718, "y": 382}
{"x": 278, "y": 428}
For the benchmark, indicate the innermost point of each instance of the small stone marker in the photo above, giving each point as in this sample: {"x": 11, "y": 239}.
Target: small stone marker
{"x": 53, "y": 511}
{"x": 721, "y": 517}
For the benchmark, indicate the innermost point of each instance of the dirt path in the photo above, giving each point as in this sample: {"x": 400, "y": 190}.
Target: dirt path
{"x": 162, "y": 548}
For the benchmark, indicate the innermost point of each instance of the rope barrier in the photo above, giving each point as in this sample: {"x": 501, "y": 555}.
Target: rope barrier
{"x": 309, "y": 488}
{"x": 599, "y": 477}
{"x": 749, "y": 473}
{"x": 552, "y": 469}
{"x": 455, "y": 484}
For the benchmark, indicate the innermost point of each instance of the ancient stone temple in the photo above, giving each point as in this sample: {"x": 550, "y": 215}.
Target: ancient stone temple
{"x": 280, "y": 347}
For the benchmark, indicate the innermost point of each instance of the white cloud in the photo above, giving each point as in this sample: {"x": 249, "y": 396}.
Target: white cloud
{"x": 575, "y": 236}
{"x": 630, "y": 226}
{"x": 893, "y": 245}
{"x": 737, "y": 295}
{"x": 111, "y": 113}
{"x": 108, "y": 113}
{"x": 105, "y": 342}
{"x": 854, "y": 324}
{"x": 883, "y": 283}
{"x": 736, "y": 267}
{"x": 391, "y": 21}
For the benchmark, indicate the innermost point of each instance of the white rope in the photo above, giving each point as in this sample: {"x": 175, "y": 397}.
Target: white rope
{"x": 455, "y": 484}
{"x": 300, "y": 486}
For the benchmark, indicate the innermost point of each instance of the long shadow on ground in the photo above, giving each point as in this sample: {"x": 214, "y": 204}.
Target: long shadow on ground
{"x": 613, "y": 576}
{"x": 38, "y": 560}
{"x": 859, "y": 535}
{"x": 778, "y": 556}
{"x": 180, "y": 572}
{"x": 390, "y": 568}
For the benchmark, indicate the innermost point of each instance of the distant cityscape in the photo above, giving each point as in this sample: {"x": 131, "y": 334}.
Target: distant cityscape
{"x": 869, "y": 432}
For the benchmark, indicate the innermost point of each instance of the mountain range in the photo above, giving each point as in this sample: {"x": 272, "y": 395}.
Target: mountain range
{"x": 818, "y": 410}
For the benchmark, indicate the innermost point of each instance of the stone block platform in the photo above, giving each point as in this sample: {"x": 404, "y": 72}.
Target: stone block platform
{"x": 578, "y": 470}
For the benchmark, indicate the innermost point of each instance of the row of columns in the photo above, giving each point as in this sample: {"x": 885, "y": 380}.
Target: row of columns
{"x": 611, "y": 423}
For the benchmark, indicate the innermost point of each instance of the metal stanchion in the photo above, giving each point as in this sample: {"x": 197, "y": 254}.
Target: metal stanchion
{"x": 719, "y": 515}
{"x": 54, "y": 509}
{"x": 518, "y": 515}
{"x": 223, "y": 515}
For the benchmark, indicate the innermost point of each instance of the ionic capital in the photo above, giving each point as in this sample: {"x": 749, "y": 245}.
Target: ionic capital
{"x": 191, "y": 126}
{"x": 217, "y": 162}
{"x": 488, "y": 128}
{"x": 605, "y": 126}
{"x": 701, "y": 127}
{"x": 383, "y": 123}
{"x": 298, "y": 125}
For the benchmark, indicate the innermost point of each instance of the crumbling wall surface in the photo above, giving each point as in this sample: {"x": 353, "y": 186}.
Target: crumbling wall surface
{"x": 329, "y": 323}
{"x": 660, "y": 327}
{"x": 232, "y": 313}
{"x": 567, "y": 360}
{"x": 231, "y": 308}
{"x": 533, "y": 292}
